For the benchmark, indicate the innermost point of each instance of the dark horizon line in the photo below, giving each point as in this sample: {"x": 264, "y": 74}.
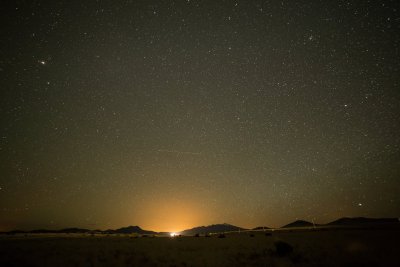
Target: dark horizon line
{"x": 289, "y": 225}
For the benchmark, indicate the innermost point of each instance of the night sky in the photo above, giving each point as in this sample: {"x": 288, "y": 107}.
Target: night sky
{"x": 174, "y": 114}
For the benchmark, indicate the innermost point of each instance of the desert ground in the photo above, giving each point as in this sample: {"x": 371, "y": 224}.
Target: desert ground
{"x": 295, "y": 247}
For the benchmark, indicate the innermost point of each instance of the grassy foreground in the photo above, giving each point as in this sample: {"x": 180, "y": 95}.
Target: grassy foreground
{"x": 327, "y": 247}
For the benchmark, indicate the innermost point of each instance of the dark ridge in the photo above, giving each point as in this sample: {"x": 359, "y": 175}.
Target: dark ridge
{"x": 43, "y": 231}
{"x": 261, "y": 228}
{"x": 73, "y": 231}
{"x": 16, "y": 232}
{"x": 215, "y": 228}
{"x": 299, "y": 223}
{"x": 133, "y": 230}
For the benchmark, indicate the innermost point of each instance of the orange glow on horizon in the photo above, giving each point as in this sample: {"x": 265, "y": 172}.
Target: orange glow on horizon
{"x": 172, "y": 216}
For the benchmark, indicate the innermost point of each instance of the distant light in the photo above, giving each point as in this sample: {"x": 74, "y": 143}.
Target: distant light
{"x": 173, "y": 234}
{"x": 359, "y": 204}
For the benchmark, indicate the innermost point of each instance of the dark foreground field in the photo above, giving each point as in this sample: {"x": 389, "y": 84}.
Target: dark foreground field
{"x": 333, "y": 247}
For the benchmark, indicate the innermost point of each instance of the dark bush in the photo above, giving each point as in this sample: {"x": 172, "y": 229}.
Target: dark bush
{"x": 196, "y": 235}
{"x": 251, "y": 235}
{"x": 221, "y": 236}
{"x": 268, "y": 234}
{"x": 283, "y": 248}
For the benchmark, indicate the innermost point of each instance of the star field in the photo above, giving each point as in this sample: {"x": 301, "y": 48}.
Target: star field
{"x": 174, "y": 114}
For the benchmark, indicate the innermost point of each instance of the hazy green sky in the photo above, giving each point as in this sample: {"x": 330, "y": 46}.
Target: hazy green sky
{"x": 174, "y": 114}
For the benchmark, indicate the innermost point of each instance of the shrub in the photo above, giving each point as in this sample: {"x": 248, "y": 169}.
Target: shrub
{"x": 221, "y": 236}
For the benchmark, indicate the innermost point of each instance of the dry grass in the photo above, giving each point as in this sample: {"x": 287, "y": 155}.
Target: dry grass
{"x": 341, "y": 247}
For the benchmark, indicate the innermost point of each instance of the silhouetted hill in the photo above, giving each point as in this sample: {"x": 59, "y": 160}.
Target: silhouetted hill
{"x": 15, "y": 232}
{"x": 261, "y": 228}
{"x": 73, "y": 231}
{"x": 124, "y": 230}
{"x": 298, "y": 223}
{"x": 362, "y": 220}
{"x": 42, "y": 231}
{"x": 133, "y": 230}
{"x": 215, "y": 228}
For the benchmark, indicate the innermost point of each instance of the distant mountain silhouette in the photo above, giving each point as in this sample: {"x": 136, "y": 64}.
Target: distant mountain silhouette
{"x": 362, "y": 220}
{"x": 73, "y": 231}
{"x": 133, "y": 230}
{"x": 298, "y": 223}
{"x": 345, "y": 221}
{"x": 43, "y": 231}
{"x": 215, "y": 228}
{"x": 261, "y": 228}
{"x": 124, "y": 230}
